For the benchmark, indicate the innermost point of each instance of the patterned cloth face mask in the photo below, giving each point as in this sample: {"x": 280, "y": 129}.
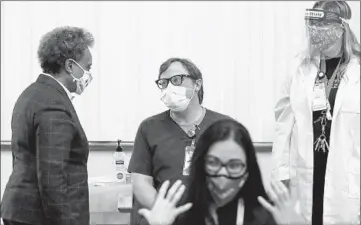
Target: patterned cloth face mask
{"x": 323, "y": 38}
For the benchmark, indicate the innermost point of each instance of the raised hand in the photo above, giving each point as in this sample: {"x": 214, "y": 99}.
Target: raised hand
{"x": 282, "y": 210}
{"x": 164, "y": 210}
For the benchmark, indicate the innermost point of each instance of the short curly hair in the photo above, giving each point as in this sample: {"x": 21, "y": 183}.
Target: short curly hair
{"x": 61, "y": 44}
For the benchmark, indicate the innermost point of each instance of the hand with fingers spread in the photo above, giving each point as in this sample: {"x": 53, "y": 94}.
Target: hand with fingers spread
{"x": 282, "y": 210}
{"x": 164, "y": 210}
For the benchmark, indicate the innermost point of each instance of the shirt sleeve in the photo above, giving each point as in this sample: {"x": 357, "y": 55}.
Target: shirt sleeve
{"x": 141, "y": 159}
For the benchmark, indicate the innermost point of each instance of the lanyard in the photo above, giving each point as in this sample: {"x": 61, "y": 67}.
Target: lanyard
{"x": 334, "y": 80}
{"x": 321, "y": 142}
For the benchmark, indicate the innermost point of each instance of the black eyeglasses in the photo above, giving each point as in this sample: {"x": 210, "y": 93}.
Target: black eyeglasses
{"x": 235, "y": 167}
{"x": 176, "y": 80}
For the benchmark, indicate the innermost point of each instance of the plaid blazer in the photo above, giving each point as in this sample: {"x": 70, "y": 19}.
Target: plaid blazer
{"x": 49, "y": 181}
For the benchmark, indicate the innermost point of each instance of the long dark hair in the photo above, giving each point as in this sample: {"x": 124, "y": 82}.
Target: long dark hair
{"x": 198, "y": 193}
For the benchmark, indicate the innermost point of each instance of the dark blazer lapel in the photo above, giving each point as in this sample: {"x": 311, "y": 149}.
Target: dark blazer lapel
{"x": 53, "y": 83}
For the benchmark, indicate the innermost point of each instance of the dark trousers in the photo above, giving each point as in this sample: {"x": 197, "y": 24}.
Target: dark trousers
{"x": 8, "y": 222}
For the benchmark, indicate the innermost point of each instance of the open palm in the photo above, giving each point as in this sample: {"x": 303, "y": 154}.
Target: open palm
{"x": 164, "y": 210}
{"x": 282, "y": 210}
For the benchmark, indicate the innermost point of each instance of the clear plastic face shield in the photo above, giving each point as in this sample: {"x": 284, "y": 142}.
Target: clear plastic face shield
{"x": 323, "y": 28}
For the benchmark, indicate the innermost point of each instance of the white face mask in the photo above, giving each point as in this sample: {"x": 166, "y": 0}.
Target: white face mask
{"x": 176, "y": 97}
{"x": 83, "y": 82}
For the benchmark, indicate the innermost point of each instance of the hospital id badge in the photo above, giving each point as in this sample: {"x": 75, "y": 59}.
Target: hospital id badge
{"x": 319, "y": 97}
{"x": 189, "y": 150}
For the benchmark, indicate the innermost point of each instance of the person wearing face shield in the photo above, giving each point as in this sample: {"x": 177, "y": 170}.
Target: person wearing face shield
{"x": 317, "y": 143}
{"x": 165, "y": 142}
{"x": 49, "y": 181}
{"x": 225, "y": 186}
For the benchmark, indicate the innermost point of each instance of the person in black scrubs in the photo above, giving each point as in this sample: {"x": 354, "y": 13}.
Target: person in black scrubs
{"x": 320, "y": 111}
{"x": 165, "y": 142}
{"x": 226, "y": 186}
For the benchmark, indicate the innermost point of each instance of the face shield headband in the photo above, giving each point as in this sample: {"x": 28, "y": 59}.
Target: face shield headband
{"x": 323, "y": 16}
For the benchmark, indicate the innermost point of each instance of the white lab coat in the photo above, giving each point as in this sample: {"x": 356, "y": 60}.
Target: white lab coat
{"x": 293, "y": 145}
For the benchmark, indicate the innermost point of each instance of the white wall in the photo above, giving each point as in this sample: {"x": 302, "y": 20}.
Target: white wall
{"x": 242, "y": 48}
{"x": 100, "y": 164}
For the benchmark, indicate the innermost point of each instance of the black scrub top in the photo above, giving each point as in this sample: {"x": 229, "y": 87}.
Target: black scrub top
{"x": 320, "y": 157}
{"x": 159, "y": 149}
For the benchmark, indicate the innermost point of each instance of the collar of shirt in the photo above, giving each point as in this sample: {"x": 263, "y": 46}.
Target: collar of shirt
{"x": 71, "y": 97}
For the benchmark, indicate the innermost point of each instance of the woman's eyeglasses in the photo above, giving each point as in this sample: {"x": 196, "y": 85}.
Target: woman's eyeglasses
{"x": 175, "y": 80}
{"x": 235, "y": 167}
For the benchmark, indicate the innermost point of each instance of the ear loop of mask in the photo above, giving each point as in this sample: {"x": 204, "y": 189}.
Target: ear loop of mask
{"x": 194, "y": 89}
{"x": 244, "y": 179}
{"x": 344, "y": 20}
{"x": 84, "y": 71}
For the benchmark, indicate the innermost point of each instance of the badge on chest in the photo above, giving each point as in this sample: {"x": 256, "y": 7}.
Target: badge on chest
{"x": 189, "y": 150}
{"x": 319, "y": 97}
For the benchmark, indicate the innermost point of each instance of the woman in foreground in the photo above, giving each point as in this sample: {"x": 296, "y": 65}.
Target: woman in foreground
{"x": 225, "y": 186}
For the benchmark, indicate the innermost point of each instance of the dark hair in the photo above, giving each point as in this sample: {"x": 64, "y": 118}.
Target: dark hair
{"x": 190, "y": 67}
{"x": 61, "y": 44}
{"x": 198, "y": 193}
